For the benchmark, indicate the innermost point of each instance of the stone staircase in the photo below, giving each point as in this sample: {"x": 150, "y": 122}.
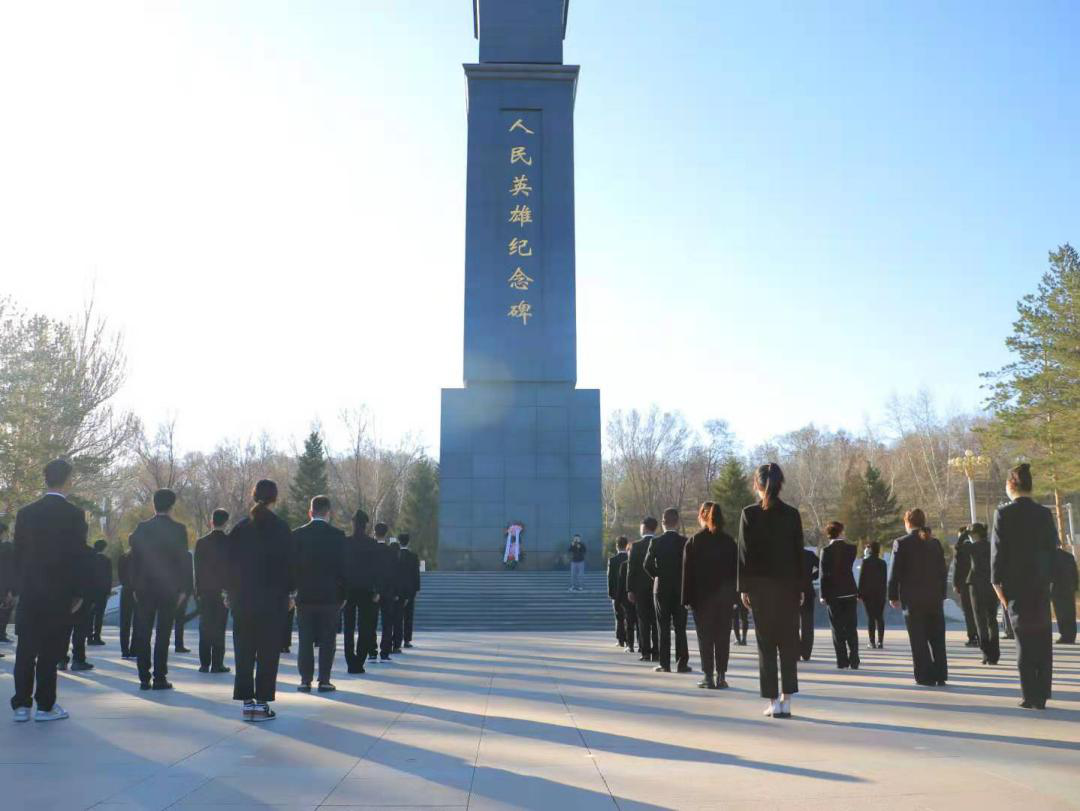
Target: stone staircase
{"x": 512, "y": 601}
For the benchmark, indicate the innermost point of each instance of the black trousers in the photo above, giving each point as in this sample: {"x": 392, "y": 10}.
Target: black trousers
{"x": 875, "y": 618}
{"x": 712, "y": 621}
{"x": 776, "y": 620}
{"x": 969, "y": 614}
{"x": 926, "y": 632}
{"x": 153, "y": 615}
{"x": 399, "y": 623}
{"x": 287, "y": 628}
{"x": 407, "y": 612}
{"x": 359, "y": 618}
{"x": 648, "y": 632}
{"x": 630, "y": 620}
{"x": 1065, "y": 611}
{"x": 213, "y": 617}
{"x": 97, "y": 615}
{"x": 806, "y": 627}
{"x": 1034, "y": 647}
{"x": 127, "y": 613}
{"x": 844, "y": 619}
{"x": 257, "y": 651}
{"x": 80, "y": 632}
{"x": 389, "y": 608}
{"x": 740, "y": 619}
{"x": 5, "y": 618}
{"x": 318, "y": 626}
{"x": 42, "y": 642}
{"x": 669, "y": 615}
{"x": 620, "y": 621}
{"x": 179, "y": 621}
{"x": 984, "y": 604}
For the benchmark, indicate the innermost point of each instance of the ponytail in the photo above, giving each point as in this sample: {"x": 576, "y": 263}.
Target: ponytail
{"x": 264, "y": 494}
{"x": 923, "y": 534}
{"x": 769, "y": 479}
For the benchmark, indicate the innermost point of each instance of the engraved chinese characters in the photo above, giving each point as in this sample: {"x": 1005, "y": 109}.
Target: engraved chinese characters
{"x": 522, "y": 209}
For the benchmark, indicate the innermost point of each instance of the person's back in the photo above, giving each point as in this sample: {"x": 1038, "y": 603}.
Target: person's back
{"x": 319, "y": 570}
{"x": 872, "y": 578}
{"x": 260, "y": 562}
{"x": 1025, "y": 540}
{"x": 978, "y": 570}
{"x": 919, "y": 573}
{"x": 49, "y": 543}
{"x": 159, "y": 557}
{"x": 614, "y": 563}
{"x": 211, "y": 562}
{"x": 664, "y": 562}
{"x": 837, "y": 576}
{"x": 711, "y": 567}
{"x": 770, "y": 547}
{"x": 638, "y": 580}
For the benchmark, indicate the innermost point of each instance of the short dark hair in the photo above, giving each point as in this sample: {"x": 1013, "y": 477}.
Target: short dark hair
{"x": 1020, "y": 478}
{"x": 671, "y": 516}
{"x": 875, "y": 549}
{"x": 649, "y": 523}
{"x": 219, "y": 517}
{"x": 621, "y": 542}
{"x": 100, "y": 545}
{"x": 403, "y": 539}
{"x": 978, "y": 530}
{"x": 915, "y": 517}
{"x": 320, "y": 505}
{"x": 834, "y": 529}
{"x": 360, "y": 521}
{"x": 381, "y": 530}
{"x": 57, "y": 473}
{"x": 164, "y": 499}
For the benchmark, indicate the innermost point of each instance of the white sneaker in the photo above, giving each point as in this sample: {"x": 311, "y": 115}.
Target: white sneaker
{"x": 772, "y": 709}
{"x": 21, "y": 715}
{"x": 57, "y": 713}
{"x": 785, "y": 708}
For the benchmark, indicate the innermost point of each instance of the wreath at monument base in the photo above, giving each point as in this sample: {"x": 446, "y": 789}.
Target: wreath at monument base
{"x": 512, "y": 551}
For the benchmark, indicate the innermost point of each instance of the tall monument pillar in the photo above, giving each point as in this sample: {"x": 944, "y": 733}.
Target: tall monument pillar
{"x": 520, "y": 443}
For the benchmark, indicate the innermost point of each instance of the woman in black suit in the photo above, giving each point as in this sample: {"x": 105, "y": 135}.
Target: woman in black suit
{"x": 710, "y": 560}
{"x": 260, "y": 579}
{"x": 841, "y": 595}
{"x": 770, "y": 583}
{"x": 872, "y": 580}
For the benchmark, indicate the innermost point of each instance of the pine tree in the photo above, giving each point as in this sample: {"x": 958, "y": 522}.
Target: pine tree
{"x": 310, "y": 478}
{"x": 420, "y": 510}
{"x": 1036, "y": 398}
{"x": 867, "y": 506}
{"x": 731, "y": 491}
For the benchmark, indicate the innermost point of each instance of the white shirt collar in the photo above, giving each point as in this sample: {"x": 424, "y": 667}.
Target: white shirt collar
{"x": 315, "y": 518}
{"x": 54, "y": 493}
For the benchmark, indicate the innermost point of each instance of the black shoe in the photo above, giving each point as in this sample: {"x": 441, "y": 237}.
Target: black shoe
{"x": 971, "y": 643}
{"x": 221, "y": 669}
{"x": 304, "y": 687}
{"x": 144, "y": 685}
{"x": 855, "y": 665}
{"x": 685, "y": 669}
{"x": 62, "y": 664}
{"x": 1041, "y": 705}
{"x": 408, "y": 645}
{"x": 645, "y": 657}
{"x": 81, "y": 666}
{"x": 662, "y": 669}
{"x": 941, "y": 683}
{"x": 722, "y": 684}
{"x": 97, "y": 643}
{"x": 707, "y": 684}
{"x": 1024, "y": 705}
{"x": 356, "y": 669}
{"x": 161, "y": 685}
{"x": 326, "y": 687}
{"x": 396, "y": 650}
{"x": 182, "y": 649}
{"x": 1063, "y": 641}
{"x": 286, "y": 650}
{"x": 128, "y": 656}
{"x": 204, "y": 669}
{"x": 385, "y": 658}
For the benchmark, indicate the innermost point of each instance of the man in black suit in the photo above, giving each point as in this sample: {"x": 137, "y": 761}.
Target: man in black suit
{"x": 409, "y": 585}
{"x": 320, "y": 593}
{"x": 103, "y": 576}
{"x": 127, "y": 603}
{"x": 211, "y": 566}
{"x": 1063, "y": 592}
{"x": 615, "y": 563}
{"x": 50, "y": 536}
{"x": 1022, "y": 546}
{"x": 362, "y": 595}
{"x": 386, "y": 566}
{"x": 8, "y": 587}
{"x": 841, "y": 595}
{"x": 917, "y": 584}
{"x": 811, "y": 570}
{"x": 961, "y": 571}
{"x": 664, "y": 562}
{"x": 81, "y": 619}
{"x": 984, "y": 602}
{"x": 640, "y": 592}
{"x": 160, "y": 570}
{"x": 622, "y": 594}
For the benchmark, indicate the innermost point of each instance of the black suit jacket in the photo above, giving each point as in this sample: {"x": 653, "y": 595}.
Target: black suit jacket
{"x": 664, "y": 562}
{"x": 1022, "y": 546}
{"x": 812, "y": 571}
{"x": 613, "y": 564}
{"x": 837, "y": 578}
{"x": 386, "y": 567}
{"x": 408, "y": 573}
{"x": 260, "y": 573}
{"x": 919, "y": 574}
{"x": 160, "y": 564}
{"x": 961, "y": 563}
{"x": 103, "y": 575}
{"x": 979, "y": 568}
{"x": 361, "y": 563}
{"x": 49, "y": 557}
{"x": 1065, "y": 574}
{"x": 873, "y": 578}
{"x": 622, "y": 593}
{"x": 639, "y": 581}
{"x": 710, "y": 567}
{"x": 123, "y": 570}
{"x": 318, "y": 555}
{"x": 211, "y": 563}
{"x": 771, "y": 549}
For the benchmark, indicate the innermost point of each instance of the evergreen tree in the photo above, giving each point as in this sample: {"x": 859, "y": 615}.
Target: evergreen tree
{"x": 867, "y": 506}
{"x": 310, "y": 478}
{"x": 420, "y": 510}
{"x": 731, "y": 491}
{"x": 1036, "y": 398}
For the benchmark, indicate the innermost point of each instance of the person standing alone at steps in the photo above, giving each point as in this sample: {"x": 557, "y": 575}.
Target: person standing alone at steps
{"x": 1022, "y": 543}
{"x": 771, "y": 583}
{"x": 640, "y": 592}
{"x": 873, "y": 589}
{"x": 320, "y": 593}
{"x": 577, "y": 564}
{"x": 614, "y": 564}
{"x": 984, "y": 601}
{"x": 49, "y": 539}
{"x": 917, "y": 586}
{"x": 211, "y": 565}
{"x": 664, "y": 563}
{"x": 160, "y": 566}
{"x": 841, "y": 595}
{"x": 710, "y": 567}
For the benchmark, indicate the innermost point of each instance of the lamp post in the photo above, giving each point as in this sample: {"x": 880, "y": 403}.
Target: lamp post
{"x": 971, "y": 464}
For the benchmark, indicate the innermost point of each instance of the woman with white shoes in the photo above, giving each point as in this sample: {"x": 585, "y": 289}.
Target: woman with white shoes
{"x": 771, "y": 586}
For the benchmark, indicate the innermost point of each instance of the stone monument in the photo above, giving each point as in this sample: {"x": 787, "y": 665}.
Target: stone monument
{"x": 520, "y": 443}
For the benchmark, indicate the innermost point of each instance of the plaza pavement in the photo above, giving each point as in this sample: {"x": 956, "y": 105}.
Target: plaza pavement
{"x": 539, "y": 721}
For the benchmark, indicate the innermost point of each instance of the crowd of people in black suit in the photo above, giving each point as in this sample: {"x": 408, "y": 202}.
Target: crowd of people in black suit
{"x": 1018, "y": 564}
{"x": 260, "y": 572}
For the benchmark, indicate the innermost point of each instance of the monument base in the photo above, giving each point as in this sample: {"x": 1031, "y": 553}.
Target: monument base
{"x": 519, "y": 452}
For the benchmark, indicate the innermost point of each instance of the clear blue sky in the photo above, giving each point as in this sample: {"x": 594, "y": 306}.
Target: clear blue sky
{"x": 785, "y": 211}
